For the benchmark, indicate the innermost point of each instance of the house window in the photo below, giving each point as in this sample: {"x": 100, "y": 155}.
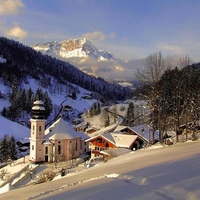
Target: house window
{"x": 107, "y": 144}
{"x": 46, "y": 150}
{"x": 32, "y": 147}
{"x": 40, "y": 128}
{"x": 59, "y": 148}
{"x": 33, "y": 129}
{"x": 99, "y": 140}
{"x": 80, "y": 144}
{"x": 97, "y": 148}
{"x": 76, "y": 146}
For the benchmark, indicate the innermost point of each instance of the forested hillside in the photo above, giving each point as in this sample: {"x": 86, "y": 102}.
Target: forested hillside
{"x": 173, "y": 96}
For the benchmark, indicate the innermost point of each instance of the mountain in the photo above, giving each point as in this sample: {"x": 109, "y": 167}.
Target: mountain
{"x": 50, "y": 72}
{"x": 27, "y": 75}
{"x": 84, "y": 55}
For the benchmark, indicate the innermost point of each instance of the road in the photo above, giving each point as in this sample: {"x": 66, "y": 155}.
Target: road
{"x": 130, "y": 165}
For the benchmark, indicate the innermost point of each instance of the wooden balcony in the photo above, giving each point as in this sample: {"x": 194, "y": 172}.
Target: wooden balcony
{"x": 98, "y": 144}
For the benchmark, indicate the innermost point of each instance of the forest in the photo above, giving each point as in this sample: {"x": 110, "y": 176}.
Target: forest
{"x": 173, "y": 95}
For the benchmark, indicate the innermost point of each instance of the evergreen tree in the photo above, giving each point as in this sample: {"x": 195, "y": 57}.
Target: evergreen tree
{"x": 74, "y": 95}
{"x": 29, "y": 99}
{"x": 130, "y": 116}
{"x": 4, "y": 112}
{"x": 47, "y": 104}
{"x": 12, "y": 152}
{"x": 39, "y": 94}
{"x": 4, "y": 148}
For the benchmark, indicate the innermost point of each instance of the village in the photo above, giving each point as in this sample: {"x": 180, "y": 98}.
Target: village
{"x": 62, "y": 149}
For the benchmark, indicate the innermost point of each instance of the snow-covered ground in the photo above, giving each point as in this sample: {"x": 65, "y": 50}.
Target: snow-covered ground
{"x": 165, "y": 173}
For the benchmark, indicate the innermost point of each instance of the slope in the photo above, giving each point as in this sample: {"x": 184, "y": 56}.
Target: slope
{"x": 158, "y": 173}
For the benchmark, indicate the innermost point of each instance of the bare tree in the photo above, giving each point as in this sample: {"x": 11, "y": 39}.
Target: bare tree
{"x": 184, "y": 61}
{"x": 155, "y": 66}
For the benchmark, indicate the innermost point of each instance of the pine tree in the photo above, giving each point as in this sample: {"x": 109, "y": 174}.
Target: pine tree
{"x": 39, "y": 94}
{"x": 12, "y": 148}
{"x": 29, "y": 99}
{"x": 4, "y": 148}
{"x": 4, "y": 112}
{"x": 47, "y": 104}
{"x": 130, "y": 116}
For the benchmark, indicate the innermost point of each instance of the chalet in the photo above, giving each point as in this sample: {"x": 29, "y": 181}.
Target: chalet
{"x": 91, "y": 130}
{"x": 144, "y": 132}
{"x": 107, "y": 141}
{"x": 23, "y": 143}
{"x": 59, "y": 142}
{"x": 87, "y": 97}
{"x": 76, "y": 121}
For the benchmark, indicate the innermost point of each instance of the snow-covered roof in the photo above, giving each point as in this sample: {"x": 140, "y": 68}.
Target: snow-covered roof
{"x": 61, "y": 130}
{"x": 119, "y": 140}
{"x": 122, "y": 140}
{"x": 103, "y": 130}
{"x": 24, "y": 141}
{"x": 38, "y": 105}
{"x": 143, "y": 130}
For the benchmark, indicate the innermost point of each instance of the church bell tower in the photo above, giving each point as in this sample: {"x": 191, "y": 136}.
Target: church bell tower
{"x": 38, "y": 121}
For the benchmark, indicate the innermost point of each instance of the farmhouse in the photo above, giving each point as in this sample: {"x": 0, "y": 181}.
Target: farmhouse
{"x": 123, "y": 137}
{"x": 144, "y": 132}
{"x": 59, "y": 142}
{"x": 102, "y": 142}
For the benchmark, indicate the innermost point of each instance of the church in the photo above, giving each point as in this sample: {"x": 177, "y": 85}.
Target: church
{"x": 60, "y": 142}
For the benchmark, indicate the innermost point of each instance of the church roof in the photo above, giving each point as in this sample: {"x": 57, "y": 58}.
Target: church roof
{"x": 61, "y": 130}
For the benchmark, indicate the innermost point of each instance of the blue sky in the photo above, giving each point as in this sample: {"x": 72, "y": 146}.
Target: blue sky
{"x": 129, "y": 29}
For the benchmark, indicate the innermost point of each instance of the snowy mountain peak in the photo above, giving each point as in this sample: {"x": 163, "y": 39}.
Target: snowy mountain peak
{"x": 73, "y": 48}
{"x": 85, "y": 56}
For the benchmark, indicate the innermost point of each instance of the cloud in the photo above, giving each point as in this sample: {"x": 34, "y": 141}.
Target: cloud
{"x": 96, "y": 35}
{"x": 10, "y": 7}
{"x": 170, "y": 48}
{"x": 16, "y": 32}
{"x": 112, "y": 35}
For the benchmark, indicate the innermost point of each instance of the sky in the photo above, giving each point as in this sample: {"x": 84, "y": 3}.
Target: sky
{"x": 131, "y": 29}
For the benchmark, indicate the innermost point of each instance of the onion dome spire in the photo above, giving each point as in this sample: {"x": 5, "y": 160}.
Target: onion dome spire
{"x": 38, "y": 110}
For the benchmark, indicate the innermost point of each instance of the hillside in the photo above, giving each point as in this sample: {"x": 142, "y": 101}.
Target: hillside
{"x": 158, "y": 173}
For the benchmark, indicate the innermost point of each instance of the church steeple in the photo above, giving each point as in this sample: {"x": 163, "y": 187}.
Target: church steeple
{"x": 37, "y": 120}
{"x": 38, "y": 110}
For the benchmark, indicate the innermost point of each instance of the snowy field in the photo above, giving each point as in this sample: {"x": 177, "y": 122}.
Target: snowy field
{"x": 165, "y": 173}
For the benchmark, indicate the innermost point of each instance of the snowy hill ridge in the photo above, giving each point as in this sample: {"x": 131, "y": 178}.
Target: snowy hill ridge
{"x": 81, "y": 48}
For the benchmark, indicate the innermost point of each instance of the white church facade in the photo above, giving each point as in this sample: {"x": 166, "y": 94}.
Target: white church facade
{"x": 60, "y": 142}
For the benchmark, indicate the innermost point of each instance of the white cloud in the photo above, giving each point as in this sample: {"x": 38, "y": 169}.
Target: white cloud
{"x": 96, "y": 35}
{"x": 170, "y": 48}
{"x": 112, "y": 35}
{"x": 16, "y": 32}
{"x": 10, "y": 7}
